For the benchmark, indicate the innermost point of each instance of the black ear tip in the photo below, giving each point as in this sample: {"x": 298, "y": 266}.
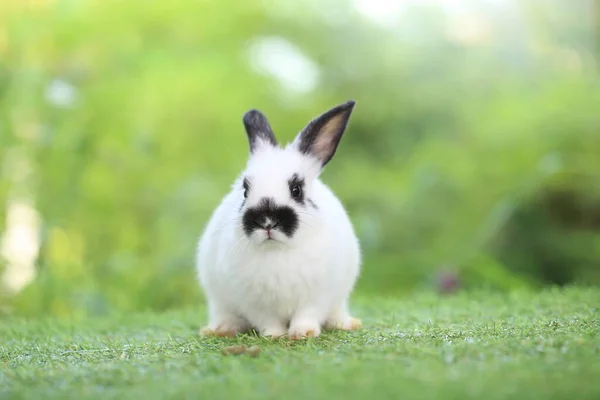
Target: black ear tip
{"x": 251, "y": 115}
{"x": 255, "y": 120}
{"x": 347, "y": 106}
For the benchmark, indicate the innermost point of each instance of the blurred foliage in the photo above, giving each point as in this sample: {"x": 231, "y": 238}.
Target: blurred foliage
{"x": 474, "y": 146}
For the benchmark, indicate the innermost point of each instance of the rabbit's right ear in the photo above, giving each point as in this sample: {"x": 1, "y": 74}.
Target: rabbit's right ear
{"x": 258, "y": 130}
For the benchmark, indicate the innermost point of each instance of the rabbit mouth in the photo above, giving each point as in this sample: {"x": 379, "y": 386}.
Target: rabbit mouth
{"x": 270, "y": 235}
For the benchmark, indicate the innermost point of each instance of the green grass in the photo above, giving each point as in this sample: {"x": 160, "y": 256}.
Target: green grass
{"x": 522, "y": 345}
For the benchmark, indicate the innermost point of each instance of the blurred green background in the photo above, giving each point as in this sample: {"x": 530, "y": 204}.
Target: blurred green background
{"x": 472, "y": 157}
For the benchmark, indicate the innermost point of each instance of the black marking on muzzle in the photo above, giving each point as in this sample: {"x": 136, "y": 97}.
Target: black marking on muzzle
{"x": 283, "y": 218}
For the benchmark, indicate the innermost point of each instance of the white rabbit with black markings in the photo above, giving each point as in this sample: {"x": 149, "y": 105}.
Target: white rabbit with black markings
{"x": 279, "y": 254}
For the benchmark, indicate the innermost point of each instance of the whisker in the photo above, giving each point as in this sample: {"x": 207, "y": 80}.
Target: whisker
{"x": 307, "y": 224}
{"x": 226, "y": 224}
{"x": 240, "y": 245}
{"x": 308, "y": 214}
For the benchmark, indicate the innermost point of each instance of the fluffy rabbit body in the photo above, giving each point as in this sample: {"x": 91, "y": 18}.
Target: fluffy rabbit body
{"x": 279, "y": 254}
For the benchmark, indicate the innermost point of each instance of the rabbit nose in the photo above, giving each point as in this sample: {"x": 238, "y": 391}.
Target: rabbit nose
{"x": 270, "y": 225}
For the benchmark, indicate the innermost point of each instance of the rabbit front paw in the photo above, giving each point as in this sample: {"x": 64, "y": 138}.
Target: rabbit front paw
{"x": 225, "y": 328}
{"x": 346, "y": 324}
{"x": 304, "y": 329}
{"x": 274, "y": 332}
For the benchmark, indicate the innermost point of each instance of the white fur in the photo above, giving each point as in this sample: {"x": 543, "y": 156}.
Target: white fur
{"x": 293, "y": 286}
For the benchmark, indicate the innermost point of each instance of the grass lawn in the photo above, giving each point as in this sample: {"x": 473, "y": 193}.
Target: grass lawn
{"x": 542, "y": 345}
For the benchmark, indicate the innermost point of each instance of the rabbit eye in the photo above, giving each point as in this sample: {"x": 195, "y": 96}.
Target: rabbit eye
{"x": 296, "y": 185}
{"x": 296, "y": 191}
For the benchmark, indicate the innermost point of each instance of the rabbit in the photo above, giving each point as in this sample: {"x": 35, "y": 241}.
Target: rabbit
{"x": 279, "y": 254}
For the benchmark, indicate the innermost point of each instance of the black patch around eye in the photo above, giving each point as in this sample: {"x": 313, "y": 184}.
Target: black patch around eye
{"x": 246, "y": 187}
{"x": 296, "y": 185}
{"x": 284, "y": 218}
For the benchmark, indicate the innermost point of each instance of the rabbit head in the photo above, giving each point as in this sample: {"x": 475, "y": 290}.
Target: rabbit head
{"x": 275, "y": 191}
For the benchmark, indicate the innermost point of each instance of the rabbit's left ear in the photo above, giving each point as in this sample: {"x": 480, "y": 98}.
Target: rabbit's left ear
{"x": 258, "y": 130}
{"x": 320, "y": 138}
